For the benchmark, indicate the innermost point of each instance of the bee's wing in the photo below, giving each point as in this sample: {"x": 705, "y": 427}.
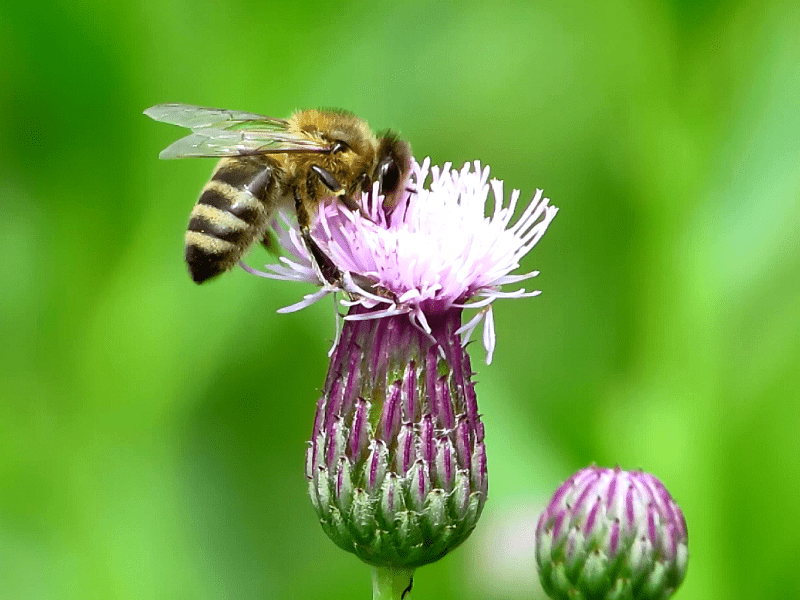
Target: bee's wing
{"x": 244, "y": 142}
{"x": 194, "y": 117}
{"x": 219, "y": 132}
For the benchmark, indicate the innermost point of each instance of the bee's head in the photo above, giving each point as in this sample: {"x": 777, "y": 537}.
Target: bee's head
{"x": 393, "y": 166}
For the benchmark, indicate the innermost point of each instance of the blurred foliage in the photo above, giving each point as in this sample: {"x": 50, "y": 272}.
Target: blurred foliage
{"x": 152, "y": 433}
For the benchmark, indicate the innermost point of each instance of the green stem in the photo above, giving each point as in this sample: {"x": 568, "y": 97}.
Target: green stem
{"x": 391, "y": 584}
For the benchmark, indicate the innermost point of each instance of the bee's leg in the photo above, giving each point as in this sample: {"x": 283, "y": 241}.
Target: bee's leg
{"x": 271, "y": 243}
{"x": 363, "y": 185}
{"x": 328, "y": 271}
{"x": 338, "y": 190}
{"x": 324, "y": 267}
{"x": 328, "y": 179}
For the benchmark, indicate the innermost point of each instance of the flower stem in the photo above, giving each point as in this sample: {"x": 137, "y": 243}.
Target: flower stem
{"x": 391, "y": 584}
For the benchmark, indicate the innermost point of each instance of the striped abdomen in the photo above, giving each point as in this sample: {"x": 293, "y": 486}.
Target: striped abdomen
{"x": 233, "y": 213}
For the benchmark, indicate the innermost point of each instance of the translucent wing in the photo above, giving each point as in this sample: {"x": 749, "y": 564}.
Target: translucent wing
{"x": 219, "y": 132}
{"x": 194, "y": 117}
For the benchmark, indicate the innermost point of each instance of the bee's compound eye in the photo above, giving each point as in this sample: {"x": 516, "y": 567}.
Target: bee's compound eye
{"x": 389, "y": 177}
{"x": 339, "y": 146}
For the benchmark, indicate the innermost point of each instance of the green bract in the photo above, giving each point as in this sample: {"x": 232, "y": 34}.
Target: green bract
{"x": 397, "y": 465}
{"x": 609, "y": 534}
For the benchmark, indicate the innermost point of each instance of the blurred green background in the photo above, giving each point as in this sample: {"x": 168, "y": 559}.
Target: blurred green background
{"x": 152, "y": 433}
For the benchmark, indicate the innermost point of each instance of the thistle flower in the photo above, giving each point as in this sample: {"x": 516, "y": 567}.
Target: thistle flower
{"x": 611, "y": 534}
{"x": 436, "y": 251}
{"x": 396, "y": 465}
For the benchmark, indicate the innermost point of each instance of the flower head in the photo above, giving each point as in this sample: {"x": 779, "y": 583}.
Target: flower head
{"x": 609, "y": 533}
{"x": 436, "y": 250}
{"x": 396, "y": 464}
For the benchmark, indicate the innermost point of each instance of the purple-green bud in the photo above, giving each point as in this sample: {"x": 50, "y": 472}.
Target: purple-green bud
{"x": 609, "y": 534}
{"x": 396, "y": 466}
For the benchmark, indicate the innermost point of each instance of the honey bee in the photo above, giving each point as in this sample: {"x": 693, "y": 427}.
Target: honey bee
{"x": 268, "y": 163}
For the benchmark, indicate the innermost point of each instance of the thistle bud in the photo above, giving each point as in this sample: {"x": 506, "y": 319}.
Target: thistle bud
{"x": 611, "y": 534}
{"x": 396, "y": 466}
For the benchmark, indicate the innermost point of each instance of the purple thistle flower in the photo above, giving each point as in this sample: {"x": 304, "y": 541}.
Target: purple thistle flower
{"x": 436, "y": 251}
{"x": 396, "y": 465}
{"x": 611, "y": 534}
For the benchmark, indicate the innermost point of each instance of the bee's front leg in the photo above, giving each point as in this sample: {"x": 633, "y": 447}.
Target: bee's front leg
{"x": 338, "y": 190}
{"x": 322, "y": 264}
